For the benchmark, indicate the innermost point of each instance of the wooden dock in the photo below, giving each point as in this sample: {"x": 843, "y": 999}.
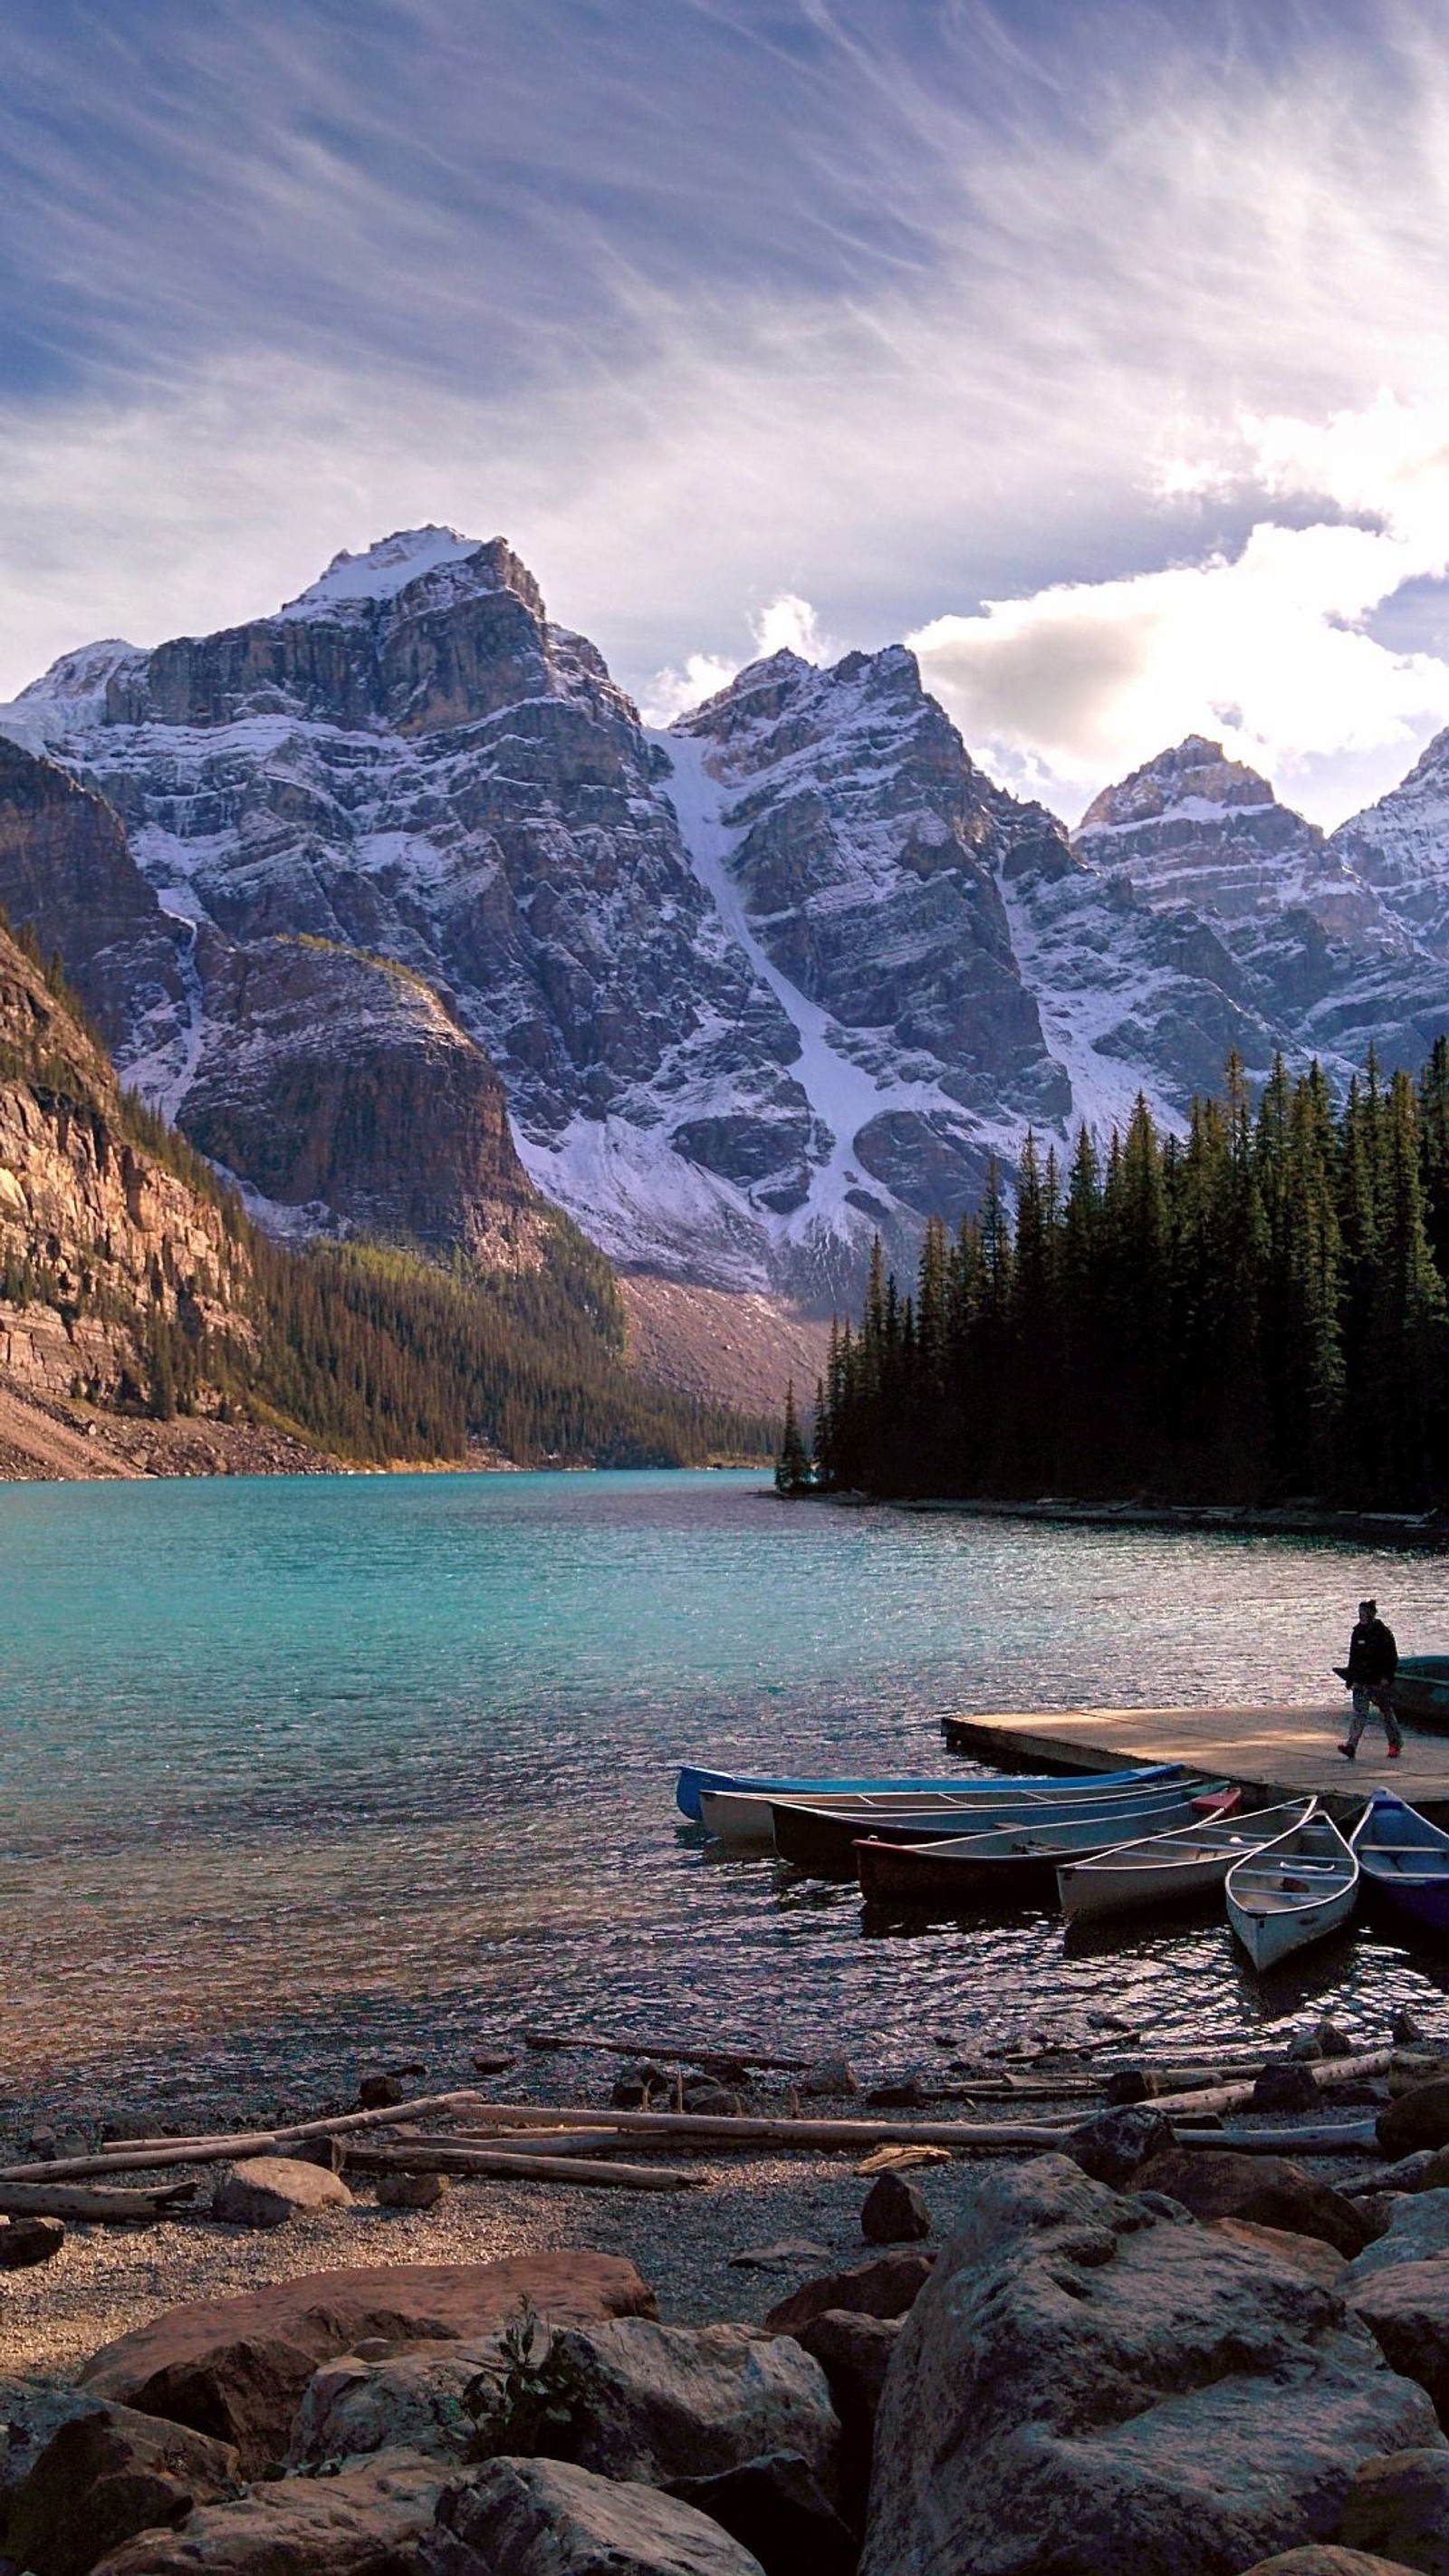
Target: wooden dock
{"x": 1287, "y": 1750}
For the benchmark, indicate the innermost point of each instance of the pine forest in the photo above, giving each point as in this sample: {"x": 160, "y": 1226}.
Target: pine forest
{"x": 1253, "y": 1313}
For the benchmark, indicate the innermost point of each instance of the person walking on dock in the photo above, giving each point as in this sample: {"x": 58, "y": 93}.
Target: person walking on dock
{"x": 1373, "y": 1660}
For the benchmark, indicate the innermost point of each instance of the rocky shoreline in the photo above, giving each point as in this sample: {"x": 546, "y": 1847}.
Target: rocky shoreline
{"x": 1373, "y": 1529}
{"x": 1134, "y": 2352}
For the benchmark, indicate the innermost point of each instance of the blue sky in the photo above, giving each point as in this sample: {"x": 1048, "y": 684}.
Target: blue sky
{"x": 1100, "y": 350}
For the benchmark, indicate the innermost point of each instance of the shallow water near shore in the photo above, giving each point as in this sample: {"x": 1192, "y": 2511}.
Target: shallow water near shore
{"x": 302, "y": 1775}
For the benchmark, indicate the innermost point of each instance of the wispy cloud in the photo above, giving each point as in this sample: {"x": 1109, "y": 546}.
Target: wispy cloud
{"x": 899, "y": 310}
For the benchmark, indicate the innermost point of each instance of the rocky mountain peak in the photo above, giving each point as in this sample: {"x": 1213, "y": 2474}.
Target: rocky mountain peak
{"x": 1192, "y": 782}
{"x": 409, "y": 571}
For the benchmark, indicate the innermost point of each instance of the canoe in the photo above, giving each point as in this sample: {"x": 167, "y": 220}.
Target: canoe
{"x": 824, "y": 1839}
{"x": 1170, "y": 1868}
{"x": 1404, "y": 1860}
{"x": 1421, "y": 1688}
{"x": 693, "y": 1780}
{"x": 1293, "y": 1891}
{"x": 740, "y": 1816}
{"x": 1014, "y": 1860}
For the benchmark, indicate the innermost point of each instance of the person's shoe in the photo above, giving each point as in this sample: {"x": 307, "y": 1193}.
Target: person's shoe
{"x": 1394, "y": 1751}
{"x": 1349, "y": 1752}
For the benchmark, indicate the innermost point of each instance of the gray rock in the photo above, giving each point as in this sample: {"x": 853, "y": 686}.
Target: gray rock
{"x": 1406, "y": 2309}
{"x": 1071, "y": 2381}
{"x": 411, "y": 2190}
{"x": 1417, "y": 2231}
{"x": 827, "y": 2078}
{"x": 792, "y": 2254}
{"x": 885, "y": 2287}
{"x": 371, "y": 2520}
{"x": 413, "y": 2400}
{"x": 894, "y": 2212}
{"x": 1399, "y": 2507}
{"x": 24, "y": 2241}
{"x": 1285, "y": 2085}
{"x": 1112, "y": 2147}
{"x": 267, "y": 2191}
{"x": 549, "y": 2518}
{"x": 105, "y": 2476}
{"x": 661, "y": 2403}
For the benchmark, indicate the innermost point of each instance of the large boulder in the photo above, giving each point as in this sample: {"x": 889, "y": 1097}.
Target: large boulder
{"x": 371, "y": 2520}
{"x": 1406, "y": 2309}
{"x": 885, "y": 2288}
{"x": 660, "y": 2403}
{"x": 1419, "y": 2118}
{"x": 105, "y": 2476}
{"x": 31, "y": 2411}
{"x": 1417, "y": 2232}
{"x": 237, "y": 2368}
{"x": 267, "y": 2191}
{"x": 550, "y": 2518}
{"x": 1400, "y": 2508}
{"x": 1272, "y": 2190}
{"x": 1087, "y": 2385}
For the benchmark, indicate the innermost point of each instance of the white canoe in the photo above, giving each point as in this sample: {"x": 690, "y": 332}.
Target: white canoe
{"x": 1170, "y": 1868}
{"x": 1293, "y": 1891}
{"x": 741, "y": 1816}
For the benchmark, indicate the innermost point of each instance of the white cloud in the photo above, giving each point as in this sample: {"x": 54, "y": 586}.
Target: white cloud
{"x": 788, "y": 625}
{"x": 1265, "y": 648}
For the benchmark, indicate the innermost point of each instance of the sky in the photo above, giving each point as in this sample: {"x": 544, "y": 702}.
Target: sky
{"x": 1099, "y": 351}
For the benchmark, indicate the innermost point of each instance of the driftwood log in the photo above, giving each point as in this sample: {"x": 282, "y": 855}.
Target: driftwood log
{"x": 1325, "y": 2072}
{"x": 501, "y": 2164}
{"x": 72, "y": 2200}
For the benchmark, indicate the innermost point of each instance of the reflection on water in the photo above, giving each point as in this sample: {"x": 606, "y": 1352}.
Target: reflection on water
{"x": 292, "y": 1774}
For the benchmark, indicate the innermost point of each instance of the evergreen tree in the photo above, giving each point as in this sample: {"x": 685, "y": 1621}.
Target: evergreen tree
{"x": 792, "y": 1469}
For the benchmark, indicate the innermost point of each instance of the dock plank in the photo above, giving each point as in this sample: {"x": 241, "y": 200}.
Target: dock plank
{"x": 1292, "y": 1750}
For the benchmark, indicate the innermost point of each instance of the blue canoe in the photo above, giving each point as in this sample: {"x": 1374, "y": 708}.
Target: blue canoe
{"x": 693, "y": 1782}
{"x": 1405, "y": 1860}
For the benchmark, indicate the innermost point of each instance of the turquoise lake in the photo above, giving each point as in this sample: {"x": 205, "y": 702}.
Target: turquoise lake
{"x": 301, "y": 1775}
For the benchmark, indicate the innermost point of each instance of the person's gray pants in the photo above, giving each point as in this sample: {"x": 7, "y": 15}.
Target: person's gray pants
{"x": 1377, "y": 1701}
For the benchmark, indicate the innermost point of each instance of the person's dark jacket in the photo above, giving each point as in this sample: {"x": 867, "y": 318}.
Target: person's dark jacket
{"x": 1373, "y": 1657}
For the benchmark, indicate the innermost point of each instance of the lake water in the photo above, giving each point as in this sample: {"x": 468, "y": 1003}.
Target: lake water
{"x": 296, "y": 1776}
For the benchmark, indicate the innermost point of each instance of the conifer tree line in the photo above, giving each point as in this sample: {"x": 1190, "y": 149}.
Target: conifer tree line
{"x": 1255, "y": 1312}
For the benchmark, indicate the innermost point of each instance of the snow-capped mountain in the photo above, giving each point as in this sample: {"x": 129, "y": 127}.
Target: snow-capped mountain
{"x": 1400, "y": 849}
{"x": 753, "y": 988}
{"x": 1324, "y": 961}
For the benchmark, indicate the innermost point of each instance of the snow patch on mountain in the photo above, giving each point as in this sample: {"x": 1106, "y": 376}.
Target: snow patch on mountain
{"x": 353, "y": 581}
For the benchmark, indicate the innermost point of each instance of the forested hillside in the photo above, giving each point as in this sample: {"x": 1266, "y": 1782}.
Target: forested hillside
{"x": 1254, "y": 1313}
{"x": 132, "y": 1282}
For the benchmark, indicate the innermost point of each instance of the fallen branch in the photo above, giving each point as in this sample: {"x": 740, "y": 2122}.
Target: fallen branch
{"x": 132, "y": 2154}
{"x": 473, "y": 2155}
{"x": 500, "y": 2165}
{"x": 1325, "y": 2073}
{"x": 1359, "y": 2138}
{"x": 750, "y": 2129}
{"x": 71, "y": 2200}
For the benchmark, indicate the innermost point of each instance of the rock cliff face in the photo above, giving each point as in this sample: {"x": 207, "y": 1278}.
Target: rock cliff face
{"x": 98, "y": 1239}
{"x": 340, "y": 1086}
{"x": 334, "y": 1085}
{"x": 753, "y": 989}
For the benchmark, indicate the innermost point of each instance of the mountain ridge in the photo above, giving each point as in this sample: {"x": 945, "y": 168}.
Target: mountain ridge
{"x": 755, "y": 988}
